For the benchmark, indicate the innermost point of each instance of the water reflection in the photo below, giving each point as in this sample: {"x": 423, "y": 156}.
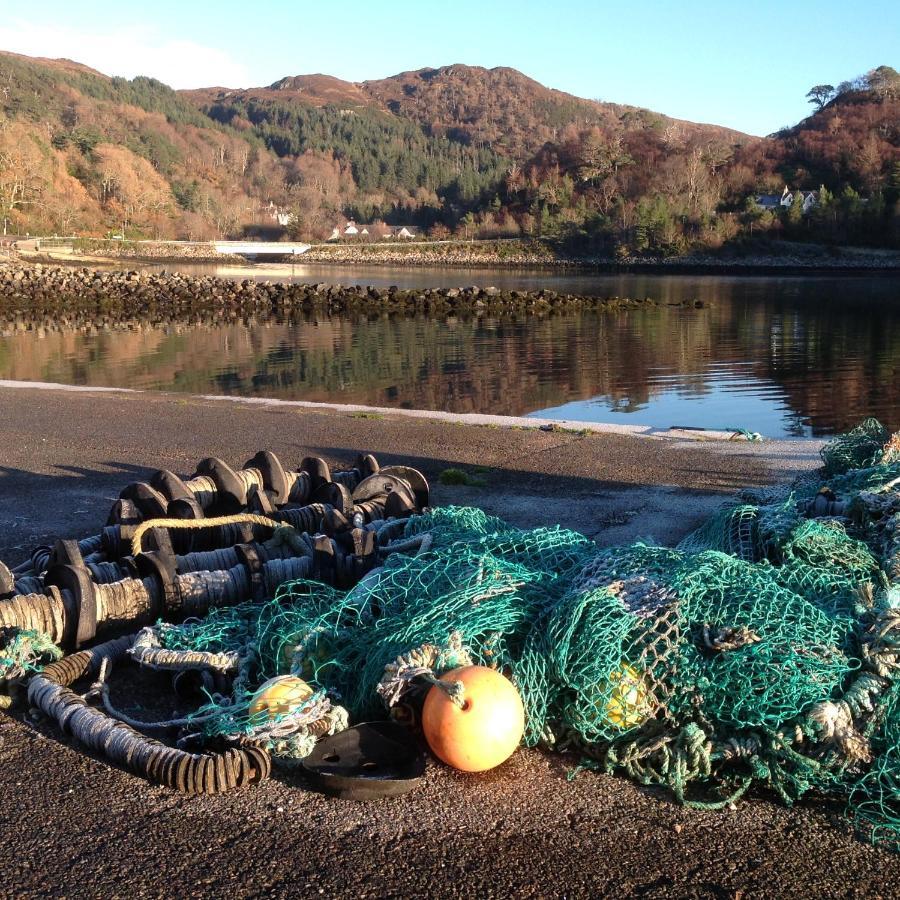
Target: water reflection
{"x": 780, "y": 356}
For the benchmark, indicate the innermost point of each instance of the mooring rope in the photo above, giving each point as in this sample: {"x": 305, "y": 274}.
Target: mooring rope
{"x": 195, "y": 524}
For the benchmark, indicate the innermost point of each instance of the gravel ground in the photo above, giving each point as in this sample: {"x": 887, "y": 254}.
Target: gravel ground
{"x": 76, "y": 826}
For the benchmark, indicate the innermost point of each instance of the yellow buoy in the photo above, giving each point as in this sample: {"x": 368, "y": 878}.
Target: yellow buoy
{"x": 628, "y": 703}
{"x": 279, "y": 696}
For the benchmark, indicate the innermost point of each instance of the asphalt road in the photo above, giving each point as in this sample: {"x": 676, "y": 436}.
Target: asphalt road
{"x": 75, "y": 826}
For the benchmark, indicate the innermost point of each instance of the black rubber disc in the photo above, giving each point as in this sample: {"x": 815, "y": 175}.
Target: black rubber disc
{"x": 366, "y": 762}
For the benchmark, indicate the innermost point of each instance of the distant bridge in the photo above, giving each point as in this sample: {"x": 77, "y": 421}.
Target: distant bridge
{"x": 260, "y": 248}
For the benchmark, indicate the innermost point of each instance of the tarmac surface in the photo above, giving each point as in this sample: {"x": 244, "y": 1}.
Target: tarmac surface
{"x": 73, "y": 825}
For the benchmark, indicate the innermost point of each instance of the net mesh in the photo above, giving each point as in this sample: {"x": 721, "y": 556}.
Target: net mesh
{"x": 860, "y": 447}
{"x": 763, "y": 649}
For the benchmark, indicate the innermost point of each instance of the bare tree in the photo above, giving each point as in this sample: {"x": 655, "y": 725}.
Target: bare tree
{"x": 23, "y": 179}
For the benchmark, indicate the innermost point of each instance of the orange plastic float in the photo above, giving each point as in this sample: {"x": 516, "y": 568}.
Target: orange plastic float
{"x": 485, "y": 730}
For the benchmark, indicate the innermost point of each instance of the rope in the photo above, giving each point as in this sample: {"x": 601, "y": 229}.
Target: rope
{"x": 421, "y": 543}
{"x": 148, "y": 651}
{"x": 422, "y": 663}
{"x": 725, "y": 638}
{"x": 194, "y": 524}
{"x": 100, "y": 690}
{"x": 754, "y": 437}
{"x": 22, "y": 652}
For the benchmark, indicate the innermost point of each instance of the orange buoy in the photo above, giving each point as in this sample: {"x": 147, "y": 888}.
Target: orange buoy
{"x": 485, "y": 730}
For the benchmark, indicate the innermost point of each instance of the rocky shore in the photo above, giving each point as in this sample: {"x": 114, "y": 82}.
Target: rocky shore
{"x": 84, "y": 295}
{"x": 480, "y": 253}
{"x": 534, "y": 253}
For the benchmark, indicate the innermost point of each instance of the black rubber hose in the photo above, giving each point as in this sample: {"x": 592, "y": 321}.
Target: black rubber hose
{"x": 190, "y": 773}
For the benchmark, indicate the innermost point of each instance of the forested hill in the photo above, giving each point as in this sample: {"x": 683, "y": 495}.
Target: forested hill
{"x": 852, "y": 137}
{"x": 506, "y": 110}
{"x": 455, "y": 149}
{"x": 87, "y": 154}
{"x": 498, "y": 108}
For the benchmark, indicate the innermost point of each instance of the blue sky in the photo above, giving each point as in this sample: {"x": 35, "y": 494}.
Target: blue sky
{"x": 745, "y": 65}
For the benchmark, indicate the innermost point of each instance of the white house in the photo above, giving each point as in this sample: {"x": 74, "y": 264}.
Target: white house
{"x": 348, "y": 231}
{"x": 772, "y": 202}
{"x": 365, "y": 232}
{"x": 401, "y": 232}
{"x": 810, "y": 199}
{"x": 283, "y": 217}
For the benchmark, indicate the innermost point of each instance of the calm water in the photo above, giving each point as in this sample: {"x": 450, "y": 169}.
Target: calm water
{"x": 779, "y": 355}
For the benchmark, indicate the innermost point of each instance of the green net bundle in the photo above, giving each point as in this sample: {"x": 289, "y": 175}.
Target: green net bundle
{"x": 23, "y": 652}
{"x": 859, "y": 448}
{"x": 764, "y": 649}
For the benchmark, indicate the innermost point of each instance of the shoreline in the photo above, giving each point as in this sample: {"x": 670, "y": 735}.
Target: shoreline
{"x": 744, "y": 265}
{"x": 797, "y": 259}
{"x": 733, "y": 267}
{"x": 483, "y": 420}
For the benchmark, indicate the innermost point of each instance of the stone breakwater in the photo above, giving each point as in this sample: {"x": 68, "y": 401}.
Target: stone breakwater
{"x": 485, "y": 253}
{"x": 82, "y": 295}
{"x": 157, "y": 251}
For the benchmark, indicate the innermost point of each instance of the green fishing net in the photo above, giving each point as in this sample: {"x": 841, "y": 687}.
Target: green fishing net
{"x": 24, "y": 652}
{"x": 857, "y": 449}
{"x": 762, "y": 650}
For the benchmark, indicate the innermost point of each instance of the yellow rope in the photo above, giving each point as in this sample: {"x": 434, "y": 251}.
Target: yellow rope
{"x": 238, "y": 519}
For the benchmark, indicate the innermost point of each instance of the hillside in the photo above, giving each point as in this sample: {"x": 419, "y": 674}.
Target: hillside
{"x": 437, "y": 145}
{"x": 510, "y": 112}
{"x": 853, "y": 139}
{"x": 486, "y": 152}
{"x": 849, "y": 151}
{"x": 315, "y": 90}
{"x": 84, "y": 153}
{"x": 499, "y": 108}
{"x": 336, "y": 142}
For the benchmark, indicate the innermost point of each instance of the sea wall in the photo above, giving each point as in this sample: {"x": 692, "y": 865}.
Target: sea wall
{"x": 777, "y": 256}
{"x": 160, "y": 251}
{"x": 781, "y": 257}
{"x": 39, "y": 292}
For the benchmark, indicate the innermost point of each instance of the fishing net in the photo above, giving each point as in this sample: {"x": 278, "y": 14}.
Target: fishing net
{"x": 858, "y": 448}
{"x": 764, "y": 649}
{"x": 24, "y": 652}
